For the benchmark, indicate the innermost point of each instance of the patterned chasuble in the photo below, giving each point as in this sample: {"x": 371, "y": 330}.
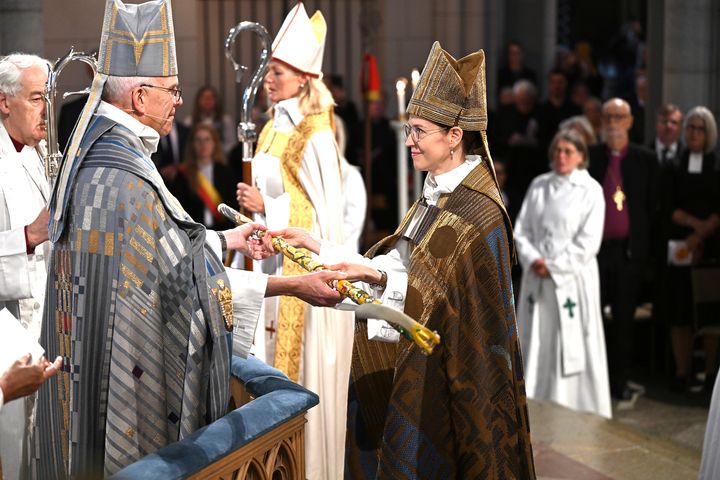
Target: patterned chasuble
{"x": 460, "y": 413}
{"x": 131, "y": 307}
{"x": 290, "y": 148}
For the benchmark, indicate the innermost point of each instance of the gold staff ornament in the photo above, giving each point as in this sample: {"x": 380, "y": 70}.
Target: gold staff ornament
{"x": 370, "y": 307}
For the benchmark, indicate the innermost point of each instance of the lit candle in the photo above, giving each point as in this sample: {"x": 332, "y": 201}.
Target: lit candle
{"x": 400, "y": 86}
{"x": 415, "y": 78}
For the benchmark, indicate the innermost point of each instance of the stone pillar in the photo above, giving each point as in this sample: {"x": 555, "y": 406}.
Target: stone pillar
{"x": 21, "y": 27}
{"x": 494, "y": 45}
{"x": 684, "y": 50}
{"x": 533, "y": 24}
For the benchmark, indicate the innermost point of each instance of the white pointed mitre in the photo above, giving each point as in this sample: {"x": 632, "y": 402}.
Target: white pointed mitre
{"x": 300, "y": 43}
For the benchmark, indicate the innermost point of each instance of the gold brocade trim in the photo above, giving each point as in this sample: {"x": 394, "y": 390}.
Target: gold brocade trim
{"x": 63, "y": 332}
{"x": 291, "y": 311}
{"x": 223, "y": 295}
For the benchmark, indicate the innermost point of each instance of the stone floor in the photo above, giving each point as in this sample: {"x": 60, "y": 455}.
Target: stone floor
{"x": 660, "y": 437}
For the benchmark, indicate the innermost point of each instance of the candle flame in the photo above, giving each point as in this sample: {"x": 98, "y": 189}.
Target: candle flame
{"x": 415, "y": 76}
{"x": 400, "y": 85}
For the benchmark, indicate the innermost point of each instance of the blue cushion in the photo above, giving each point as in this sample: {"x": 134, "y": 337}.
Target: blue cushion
{"x": 278, "y": 399}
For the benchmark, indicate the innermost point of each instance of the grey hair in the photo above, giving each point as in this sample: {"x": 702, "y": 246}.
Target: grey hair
{"x": 581, "y": 124}
{"x": 525, "y": 86}
{"x": 574, "y": 137}
{"x": 12, "y": 67}
{"x": 710, "y": 126}
{"x": 118, "y": 88}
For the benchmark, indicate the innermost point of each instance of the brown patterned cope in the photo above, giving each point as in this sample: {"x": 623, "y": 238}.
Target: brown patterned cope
{"x": 460, "y": 412}
{"x": 290, "y": 149}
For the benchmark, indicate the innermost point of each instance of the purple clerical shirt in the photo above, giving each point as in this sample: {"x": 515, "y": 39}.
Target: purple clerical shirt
{"x": 617, "y": 222}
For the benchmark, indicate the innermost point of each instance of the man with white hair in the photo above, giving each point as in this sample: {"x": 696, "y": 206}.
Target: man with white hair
{"x": 23, "y": 224}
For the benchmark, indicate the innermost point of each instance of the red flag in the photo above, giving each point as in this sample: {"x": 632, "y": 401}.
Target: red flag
{"x": 370, "y": 78}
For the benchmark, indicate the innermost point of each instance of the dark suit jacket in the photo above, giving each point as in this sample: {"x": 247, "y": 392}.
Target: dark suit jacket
{"x": 69, "y": 115}
{"x": 164, "y": 155}
{"x": 673, "y": 161}
{"x": 639, "y": 176}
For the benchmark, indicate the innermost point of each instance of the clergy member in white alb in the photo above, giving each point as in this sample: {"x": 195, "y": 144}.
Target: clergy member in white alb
{"x": 558, "y": 234}
{"x": 23, "y": 225}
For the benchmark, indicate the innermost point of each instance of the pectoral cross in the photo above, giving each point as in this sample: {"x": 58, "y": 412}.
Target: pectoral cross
{"x": 570, "y": 305}
{"x": 618, "y": 197}
{"x": 270, "y": 328}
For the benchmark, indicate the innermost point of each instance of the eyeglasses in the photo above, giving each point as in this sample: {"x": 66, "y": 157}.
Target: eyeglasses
{"x": 175, "y": 92}
{"x": 614, "y": 117}
{"x": 417, "y": 133}
{"x": 695, "y": 128}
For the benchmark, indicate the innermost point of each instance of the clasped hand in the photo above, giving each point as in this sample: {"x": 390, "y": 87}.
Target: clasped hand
{"x": 250, "y": 198}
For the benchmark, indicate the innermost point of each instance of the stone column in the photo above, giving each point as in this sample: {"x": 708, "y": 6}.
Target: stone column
{"x": 21, "y": 26}
{"x": 533, "y": 24}
{"x": 684, "y": 50}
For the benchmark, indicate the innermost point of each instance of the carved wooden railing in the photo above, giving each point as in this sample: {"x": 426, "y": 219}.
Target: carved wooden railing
{"x": 261, "y": 439}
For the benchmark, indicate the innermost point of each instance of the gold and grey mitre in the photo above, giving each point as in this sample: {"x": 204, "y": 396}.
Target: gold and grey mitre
{"x": 138, "y": 40}
{"x": 452, "y": 92}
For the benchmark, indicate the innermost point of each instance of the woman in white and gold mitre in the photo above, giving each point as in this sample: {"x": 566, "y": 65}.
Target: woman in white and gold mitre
{"x": 298, "y": 182}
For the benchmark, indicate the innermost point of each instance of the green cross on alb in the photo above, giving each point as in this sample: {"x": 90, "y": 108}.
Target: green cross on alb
{"x": 570, "y": 305}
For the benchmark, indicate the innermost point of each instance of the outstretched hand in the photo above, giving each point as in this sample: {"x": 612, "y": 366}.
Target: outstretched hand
{"x": 23, "y": 379}
{"x": 297, "y": 237}
{"x": 242, "y": 239}
{"x": 316, "y": 288}
{"x": 356, "y": 272}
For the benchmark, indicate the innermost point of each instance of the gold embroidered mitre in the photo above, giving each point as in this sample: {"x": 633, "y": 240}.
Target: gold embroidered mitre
{"x": 452, "y": 92}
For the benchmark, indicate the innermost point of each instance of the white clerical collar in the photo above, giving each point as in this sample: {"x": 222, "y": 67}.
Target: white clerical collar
{"x": 695, "y": 162}
{"x": 577, "y": 177}
{"x": 287, "y": 113}
{"x": 436, "y": 185}
{"x": 149, "y": 136}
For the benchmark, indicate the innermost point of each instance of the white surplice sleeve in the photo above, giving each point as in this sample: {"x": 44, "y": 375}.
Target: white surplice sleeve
{"x": 394, "y": 264}
{"x": 14, "y": 266}
{"x": 277, "y": 211}
{"x": 248, "y": 292}
{"x": 524, "y": 228}
{"x": 322, "y": 180}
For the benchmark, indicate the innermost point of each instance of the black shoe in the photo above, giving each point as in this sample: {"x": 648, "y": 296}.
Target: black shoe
{"x": 709, "y": 383}
{"x": 627, "y": 397}
{"x": 626, "y": 392}
{"x": 678, "y": 384}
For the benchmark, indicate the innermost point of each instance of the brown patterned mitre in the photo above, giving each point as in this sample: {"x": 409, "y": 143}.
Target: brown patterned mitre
{"x": 452, "y": 92}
